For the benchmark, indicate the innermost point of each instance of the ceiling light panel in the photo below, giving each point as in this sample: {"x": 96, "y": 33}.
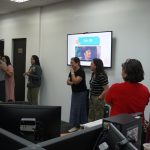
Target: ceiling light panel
{"x": 19, "y": 1}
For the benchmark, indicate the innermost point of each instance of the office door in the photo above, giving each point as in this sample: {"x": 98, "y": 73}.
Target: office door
{"x": 19, "y": 63}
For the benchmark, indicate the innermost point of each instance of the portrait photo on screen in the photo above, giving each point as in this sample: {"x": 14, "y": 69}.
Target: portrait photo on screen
{"x": 87, "y": 46}
{"x": 86, "y": 53}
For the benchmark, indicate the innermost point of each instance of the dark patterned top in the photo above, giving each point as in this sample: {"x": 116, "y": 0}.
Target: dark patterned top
{"x": 97, "y": 83}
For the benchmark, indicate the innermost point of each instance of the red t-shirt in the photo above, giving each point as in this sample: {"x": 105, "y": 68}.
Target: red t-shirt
{"x": 127, "y": 97}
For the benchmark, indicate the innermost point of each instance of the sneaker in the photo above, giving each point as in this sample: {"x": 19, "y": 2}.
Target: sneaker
{"x": 73, "y": 129}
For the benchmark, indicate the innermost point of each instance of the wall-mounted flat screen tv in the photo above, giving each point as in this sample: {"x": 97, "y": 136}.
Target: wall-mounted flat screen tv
{"x": 87, "y": 46}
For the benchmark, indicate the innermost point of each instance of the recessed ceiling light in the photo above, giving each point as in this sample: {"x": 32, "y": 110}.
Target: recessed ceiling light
{"x": 19, "y": 1}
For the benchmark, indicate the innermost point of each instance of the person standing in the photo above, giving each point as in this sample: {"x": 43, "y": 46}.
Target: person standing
{"x": 98, "y": 88}
{"x": 9, "y": 80}
{"x": 34, "y": 80}
{"x": 76, "y": 79}
{"x": 2, "y": 79}
{"x": 129, "y": 96}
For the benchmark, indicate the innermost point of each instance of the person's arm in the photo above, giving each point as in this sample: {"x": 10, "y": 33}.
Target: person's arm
{"x": 37, "y": 74}
{"x": 69, "y": 82}
{"x": 106, "y": 87}
{"x": 27, "y": 73}
{"x": 7, "y": 69}
{"x": 8, "y": 72}
{"x": 108, "y": 96}
{"x": 75, "y": 79}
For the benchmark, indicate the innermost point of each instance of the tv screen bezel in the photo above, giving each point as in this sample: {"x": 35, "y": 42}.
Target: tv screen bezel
{"x": 84, "y": 33}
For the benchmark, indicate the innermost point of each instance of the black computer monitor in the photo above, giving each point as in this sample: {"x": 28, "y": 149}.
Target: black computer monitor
{"x": 129, "y": 125}
{"x": 80, "y": 140}
{"x": 117, "y": 141}
{"x": 11, "y": 141}
{"x": 33, "y": 122}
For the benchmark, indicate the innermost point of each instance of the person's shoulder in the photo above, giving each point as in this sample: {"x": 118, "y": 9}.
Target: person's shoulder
{"x": 117, "y": 85}
{"x": 10, "y": 67}
{"x": 145, "y": 90}
{"x": 38, "y": 67}
{"x": 102, "y": 76}
{"x": 81, "y": 69}
{"x": 144, "y": 87}
{"x": 80, "y": 72}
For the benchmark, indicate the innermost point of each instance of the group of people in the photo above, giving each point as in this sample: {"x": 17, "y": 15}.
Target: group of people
{"x": 7, "y": 82}
{"x": 129, "y": 96}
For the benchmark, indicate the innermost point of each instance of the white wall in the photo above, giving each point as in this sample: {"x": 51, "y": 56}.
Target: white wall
{"x": 25, "y": 24}
{"x": 46, "y": 32}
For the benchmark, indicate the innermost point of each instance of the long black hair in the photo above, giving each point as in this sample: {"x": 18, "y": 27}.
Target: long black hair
{"x": 36, "y": 58}
{"x": 99, "y": 66}
{"x": 7, "y": 60}
{"x": 134, "y": 70}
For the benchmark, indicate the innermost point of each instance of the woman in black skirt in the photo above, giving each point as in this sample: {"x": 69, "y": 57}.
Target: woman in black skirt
{"x": 78, "y": 111}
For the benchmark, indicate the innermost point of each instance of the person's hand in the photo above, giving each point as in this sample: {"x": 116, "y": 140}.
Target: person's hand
{"x": 100, "y": 97}
{"x": 71, "y": 70}
{"x": 26, "y": 73}
{"x": 69, "y": 82}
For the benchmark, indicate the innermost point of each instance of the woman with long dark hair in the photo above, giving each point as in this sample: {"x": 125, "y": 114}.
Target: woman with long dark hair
{"x": 9, "y": 80}
{"x": 34, "y": 80}
{"x": 98, "y": 87}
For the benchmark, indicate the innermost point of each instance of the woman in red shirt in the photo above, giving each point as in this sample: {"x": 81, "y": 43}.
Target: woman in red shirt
{"x": 129, "y": 96}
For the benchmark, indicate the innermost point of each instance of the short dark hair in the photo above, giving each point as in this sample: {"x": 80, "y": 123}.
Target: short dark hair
{"x": 76, "y": 60}
{"x": 134, "y": 70}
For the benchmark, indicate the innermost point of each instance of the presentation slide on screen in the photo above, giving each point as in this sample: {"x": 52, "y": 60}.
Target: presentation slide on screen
{"x": 88, "y": 46}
